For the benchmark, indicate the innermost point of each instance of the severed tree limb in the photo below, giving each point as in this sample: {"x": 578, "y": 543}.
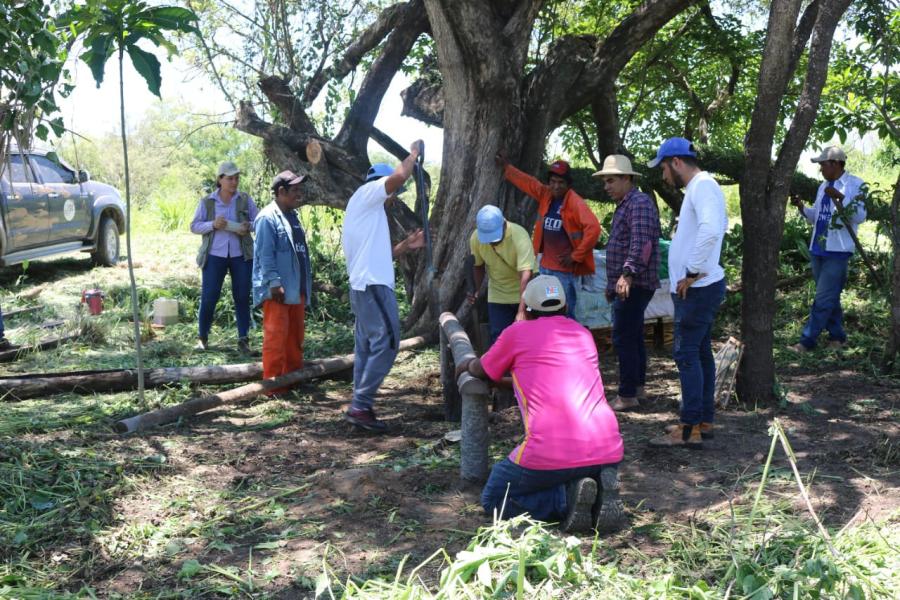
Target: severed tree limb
{"x": 424, "y": 100}
{"x": 114, "y": 380}
{"x": 280, "y": 94}
{"x": 197, "y": 405}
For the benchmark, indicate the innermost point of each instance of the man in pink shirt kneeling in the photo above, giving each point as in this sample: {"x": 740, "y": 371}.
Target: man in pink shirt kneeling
{"x": 566, "y": 468}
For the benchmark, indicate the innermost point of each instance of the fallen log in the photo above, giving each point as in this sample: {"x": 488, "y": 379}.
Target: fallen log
{"x": 13, "y": 354}
{"x": 116, "y": 380}
{"x": 20, "y": 311}
{"x": 194, "y": 406}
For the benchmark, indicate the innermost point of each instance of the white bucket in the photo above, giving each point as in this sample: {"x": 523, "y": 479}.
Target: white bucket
{"x": 165, "y": 311}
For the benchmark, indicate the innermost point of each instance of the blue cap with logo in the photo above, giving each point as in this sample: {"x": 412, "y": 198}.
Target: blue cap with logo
{"x": 674, "y": 146}
{"x": 489, "y": 223}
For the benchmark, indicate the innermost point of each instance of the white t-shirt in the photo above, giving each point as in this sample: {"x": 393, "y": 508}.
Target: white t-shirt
{"x": 697, "y": 243}
{"x": 367, "y": 239}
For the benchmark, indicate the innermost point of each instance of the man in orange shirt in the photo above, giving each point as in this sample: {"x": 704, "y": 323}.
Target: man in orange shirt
{"x": 565, "y": 230}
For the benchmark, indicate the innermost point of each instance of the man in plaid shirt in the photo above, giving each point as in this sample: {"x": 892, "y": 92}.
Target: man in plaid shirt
{"x": 632, "y": 274}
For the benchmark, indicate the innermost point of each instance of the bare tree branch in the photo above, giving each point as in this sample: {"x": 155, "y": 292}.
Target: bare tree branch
{"x": 829, "y": 14}
{"x": 366, "y": 41}
{"x": 354, "y": 133}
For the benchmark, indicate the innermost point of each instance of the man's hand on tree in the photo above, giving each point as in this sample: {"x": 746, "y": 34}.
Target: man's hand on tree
{"x": 415, "y": 240}
{"x": 501, "y": 159}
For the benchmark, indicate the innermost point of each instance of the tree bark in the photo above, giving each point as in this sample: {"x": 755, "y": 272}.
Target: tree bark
{"x": 45, "y": 384}
{"x": 764, "y": 187}
{"x": 893, "y": 344}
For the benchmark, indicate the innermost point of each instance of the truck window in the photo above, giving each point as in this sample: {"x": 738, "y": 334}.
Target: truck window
{"x": 53, "y": 172}
{"x": 18, "y": 170}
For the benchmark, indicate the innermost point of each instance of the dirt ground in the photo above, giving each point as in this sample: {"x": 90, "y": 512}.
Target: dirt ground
{"x": 370, "y": 500}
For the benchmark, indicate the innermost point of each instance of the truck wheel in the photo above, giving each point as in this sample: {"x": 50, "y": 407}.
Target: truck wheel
{"x": 107, "y": 253}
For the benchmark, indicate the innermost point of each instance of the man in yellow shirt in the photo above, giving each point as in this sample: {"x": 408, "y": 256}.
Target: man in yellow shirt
{"x": 503, "y": 250}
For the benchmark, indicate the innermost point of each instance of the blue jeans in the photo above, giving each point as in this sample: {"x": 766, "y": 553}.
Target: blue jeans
{"x": 500, "y": 316}
{"x": 542, "y": 494}
{"x": 694, "y": 317}
{"x": 830, "y": 275}
{"x": 213, "y": 278}
{"x": 628, "y": 339}
{"x": 570, "y": 284}
{"x": 376, "y": 340}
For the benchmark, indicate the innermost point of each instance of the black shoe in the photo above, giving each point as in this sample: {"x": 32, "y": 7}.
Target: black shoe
{"x": 244, "y": 347}
{"x": 364, "y": 418}
{"x": 580, "y": 497}
{"x": 608, "y": 512}
{"x": 202, "y": 344}
{"x": 5, "y": 344}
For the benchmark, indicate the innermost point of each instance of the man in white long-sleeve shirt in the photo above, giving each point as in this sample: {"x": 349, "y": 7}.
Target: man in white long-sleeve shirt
{"x": 697, "y": 286}
{"x": 831, "y": 245}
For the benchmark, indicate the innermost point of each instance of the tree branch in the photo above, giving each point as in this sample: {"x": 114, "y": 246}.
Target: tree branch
{"x": 354, "y": 133}
{"x": 424, "y": 101}
{"x": 830, "y": 13}
{"x": 280, "y": 94}
{"x": 366, "y": 41}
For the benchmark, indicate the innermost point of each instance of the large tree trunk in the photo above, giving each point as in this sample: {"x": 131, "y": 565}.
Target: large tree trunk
{"x": 893, "y": 344}
{"x": 764, "y": 186}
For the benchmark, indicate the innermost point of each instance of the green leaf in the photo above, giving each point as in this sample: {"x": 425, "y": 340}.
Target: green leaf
{"x": 172, "y": 17}
{"x": 147, "y": 65}
{"x": 96, "y": 57}
{"x": 189, "y": 569}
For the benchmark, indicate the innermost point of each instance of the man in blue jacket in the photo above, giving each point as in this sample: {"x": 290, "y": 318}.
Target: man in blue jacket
{"x": 840, "y": 203}
{"x": 282, "y": 277}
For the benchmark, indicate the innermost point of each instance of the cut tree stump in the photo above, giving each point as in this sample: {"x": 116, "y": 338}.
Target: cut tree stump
{"x": 194, "y": 406}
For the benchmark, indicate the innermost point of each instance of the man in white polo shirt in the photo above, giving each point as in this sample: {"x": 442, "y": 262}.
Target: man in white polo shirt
{"x": 367, "y": 247}
{"x": 697, "y": 287}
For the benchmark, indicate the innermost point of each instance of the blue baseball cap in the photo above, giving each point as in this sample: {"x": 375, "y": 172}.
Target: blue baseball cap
{"x": 379, "y": 170}
{"x": 489, "y": 224}
{"x": 674, "y": 146}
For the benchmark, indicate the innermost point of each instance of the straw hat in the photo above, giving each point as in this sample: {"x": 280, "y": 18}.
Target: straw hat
{"x": 616, "y": 164}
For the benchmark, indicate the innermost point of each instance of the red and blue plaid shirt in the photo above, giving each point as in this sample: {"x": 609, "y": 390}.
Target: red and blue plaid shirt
{"x": 634, "y": 242}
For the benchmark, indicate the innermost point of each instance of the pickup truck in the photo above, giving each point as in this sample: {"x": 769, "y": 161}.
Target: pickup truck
{"x": 49, "y": 208}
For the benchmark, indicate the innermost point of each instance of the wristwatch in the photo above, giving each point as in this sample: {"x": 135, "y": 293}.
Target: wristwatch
{"x": 626, "y": 272}
{"x": 690, "y": 275}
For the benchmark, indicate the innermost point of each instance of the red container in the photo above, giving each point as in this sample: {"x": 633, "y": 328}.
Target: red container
{"x": 94, "y": 300}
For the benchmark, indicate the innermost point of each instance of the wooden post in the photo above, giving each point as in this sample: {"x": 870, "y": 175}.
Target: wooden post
{"x": 473, "y": 464}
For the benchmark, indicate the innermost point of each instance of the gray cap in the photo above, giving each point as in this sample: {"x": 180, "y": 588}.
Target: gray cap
{"x": 831, "y": 153}
{"x": 544, "y": 293}
{"x": 228, "y": 168}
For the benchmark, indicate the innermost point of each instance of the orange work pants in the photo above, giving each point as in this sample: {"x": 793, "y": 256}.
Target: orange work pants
{"x": 283, "y": 330}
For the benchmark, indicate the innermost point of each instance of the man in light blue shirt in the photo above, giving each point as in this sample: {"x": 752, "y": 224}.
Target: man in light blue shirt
{"x": 839, "y": 204}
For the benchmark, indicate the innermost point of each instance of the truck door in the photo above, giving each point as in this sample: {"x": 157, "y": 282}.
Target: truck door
{"x": 68, "y": 202}
{"x": 27, "y": 213}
